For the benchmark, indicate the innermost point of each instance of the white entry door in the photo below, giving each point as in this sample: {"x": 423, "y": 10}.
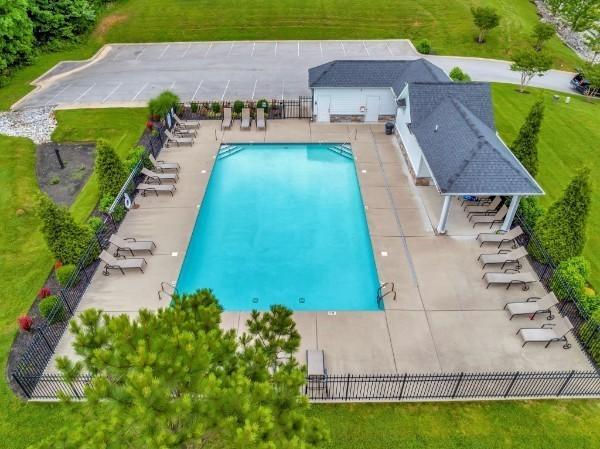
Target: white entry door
{"x": 372, "y": 114}
{"x": 323, "y": 105}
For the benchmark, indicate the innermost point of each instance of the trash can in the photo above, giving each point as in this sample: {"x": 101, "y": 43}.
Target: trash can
{"x": 389, "y": 128}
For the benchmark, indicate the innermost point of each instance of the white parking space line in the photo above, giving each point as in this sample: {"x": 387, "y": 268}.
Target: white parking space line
{"x": 282, "y": 88}
{"x": 197, "y": 89}
{"x": 57, "y": 94}
{"x": 254, "y": 89}
{"x": 84, "y": 93}
{"x": 137, "y": 58}
{"x": 139, "y": 92}
{"x": 275, "y": 48}
{"x": 253, "y": 48}
{"x": 172, "y": 86}
{"x": 298, "y": 49}
{"x": 321, "y": 47}
{"x": 230, "y": 48}
{"x": 112, "y": 92}
{"x": 208, "y": 49}
{"x": 387, "y": 45}
{"x": 343, "y": 48}
{"x": 164, "y": 51}
{"x": 366, "y": 49}
{"x": 186, "y": 50}
{"x": 225, "y": 91}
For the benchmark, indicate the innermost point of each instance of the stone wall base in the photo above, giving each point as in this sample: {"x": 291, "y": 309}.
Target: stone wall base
{"x": 419, "y": 181}
{"x": 355, "y": 118}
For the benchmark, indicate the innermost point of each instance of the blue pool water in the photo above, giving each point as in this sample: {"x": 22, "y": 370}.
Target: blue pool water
{"x": 283, "y": 224}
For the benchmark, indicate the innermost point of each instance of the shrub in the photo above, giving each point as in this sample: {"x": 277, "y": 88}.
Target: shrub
{"x": 162, "y": 104}
{"x": 60, "y": 20}
{"x": 95, "y": 223}
{"x": 64, "y": 273}
{"x": 118, "y": 213}
{"x": 135, "y": 155}
{"x": 215, "y": 107}
{"x": 531, "y": 211}
{"x": 263, "y": 103}
{"x": 44, "y": 292}
{"x": 590, "y": 335}
{"x": 238, "y": 105}
{"x": 590, "y": 303}
{"x": 66, "y": 239}
{"x": 194, "y": 107}
{"x": 569, "y": 278}
{"x": 109, "y": 169}
{"x": 25, "y": 323}
{"x": 525, "y": 145}
{"x": 423, "y": 47}
{"x": 456, "y": 74}
{"x": 52, "y": 309}
{"x": 562, "y": 229}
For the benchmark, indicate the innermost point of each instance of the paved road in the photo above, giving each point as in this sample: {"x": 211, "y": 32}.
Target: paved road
{"x": 132, "y": 74}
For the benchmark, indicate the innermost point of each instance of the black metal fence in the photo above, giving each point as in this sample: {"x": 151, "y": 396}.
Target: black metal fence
{"x": 275, "y": 109}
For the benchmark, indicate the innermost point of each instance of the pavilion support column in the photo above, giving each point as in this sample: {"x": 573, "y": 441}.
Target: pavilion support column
{"x": 510, "y": 215}
{"x": 441, "y": 227}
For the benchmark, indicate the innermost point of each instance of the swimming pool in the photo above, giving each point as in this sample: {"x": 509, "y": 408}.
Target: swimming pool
{"x": 282, "y": 224}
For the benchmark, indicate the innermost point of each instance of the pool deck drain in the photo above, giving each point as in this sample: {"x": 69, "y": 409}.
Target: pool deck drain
{"x": 444, "y": 320}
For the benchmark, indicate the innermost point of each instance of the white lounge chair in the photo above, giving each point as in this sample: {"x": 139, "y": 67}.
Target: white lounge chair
{"x": 260, "y": 119}
{"x": 143, "y": 188}
{"x": 122, "y": 263}
{"x": 159, "y": 177}
{"x": 178, "y": 140}
{"x": 226, "y": 122}
{"x": 186, "y": 124}
{"x": 510, "y": 277}
{"x": 130, "y": 244}
{"x": 532, "y": 306}
{"x": 504, "y": 257}
{"x": 500, "y": 237}
{"x": 162, "y": 165}
{"x": 487, "y": 207}
{"x": 496, "y": 217}
{"x": 246, "y": 120}
{"x": 547, "y": 333}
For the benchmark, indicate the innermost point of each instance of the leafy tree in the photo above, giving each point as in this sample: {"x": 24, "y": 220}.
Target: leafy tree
{"x": 175, "y": 379}
{"x": 562, "y": 229}
{"x": 592, "y": 40}
{"x": 60, "y": 19}
{"x": 530, "y": 64}
{"x": 163, "y": 103}
{"x": 456, "y": 74}
{"x": 591, "y": 73}
{"x": 66, "y": 239}
{"x": 541, "y": 33}
{"x": 109, "y": 169}
{"x": 485, "y": 18}
{"x": 16, "y": 37}
{"x": 555, "y": 6}
{"x": 581, "y": 15}
{"x": 525, "y": 145}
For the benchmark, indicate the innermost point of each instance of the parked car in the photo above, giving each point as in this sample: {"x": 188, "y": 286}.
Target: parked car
{"x": 581, "y": 85}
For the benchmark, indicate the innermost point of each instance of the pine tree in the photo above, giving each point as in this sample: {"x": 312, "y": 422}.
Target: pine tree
{"x": 109, "y": 169}
{"x": 175, "y": 379}
{"x": 525, "y": 145}
{"x": 562, "y": 229}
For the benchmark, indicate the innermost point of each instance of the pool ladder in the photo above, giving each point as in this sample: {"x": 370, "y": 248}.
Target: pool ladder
{"x": 166, "y": 288}
{"x": 342, "y": 150}
{"x": 382, "y": 292}
{"x": 228, "y": 150}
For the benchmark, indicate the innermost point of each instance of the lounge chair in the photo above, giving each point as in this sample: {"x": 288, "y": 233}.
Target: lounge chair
{"x": 162, "y": 165}
{"x": 130, "y": 244}
{"x": 178, "y": 140}
{"x": 246, "y": 120}
{"x": 317, "y": 373}
{"x": 260, "y": 119}
{"x": 485, "y": 208}
{"x": 532, "y": 306}
{"x": 504, "y": 257}
{"x": 152, "y": 177}
{"x": 144, "y": 188}
{"x": 186, "y": 124}
{"x": 122, "y": 263}
{"x": 510, "y": 277}
{"x": 547, "y": 333}
{"x": 500, "y": 237}
{"x": 185, "y": 132}
{"x": 474, "y": 200}
{"x": 497, "y": 217}
{"x": 226, "y": 123}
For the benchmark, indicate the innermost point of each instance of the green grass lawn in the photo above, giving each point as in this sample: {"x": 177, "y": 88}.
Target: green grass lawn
{"x": 448, "y": 25}
{"x": 569, "y": 138}
{"x": 467, "y": 425}
{"x": 24, "y": 258}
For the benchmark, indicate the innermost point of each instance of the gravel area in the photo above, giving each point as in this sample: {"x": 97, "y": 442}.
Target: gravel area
{"x": 36, "y": 124}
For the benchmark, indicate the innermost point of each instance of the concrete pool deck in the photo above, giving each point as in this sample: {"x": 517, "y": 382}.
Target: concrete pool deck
{"x": 443, "y": 318}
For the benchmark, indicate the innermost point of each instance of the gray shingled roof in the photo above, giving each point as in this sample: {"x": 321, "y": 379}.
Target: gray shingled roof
{"x": 365, "y": 73}
{"x": 464, "y": 154}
